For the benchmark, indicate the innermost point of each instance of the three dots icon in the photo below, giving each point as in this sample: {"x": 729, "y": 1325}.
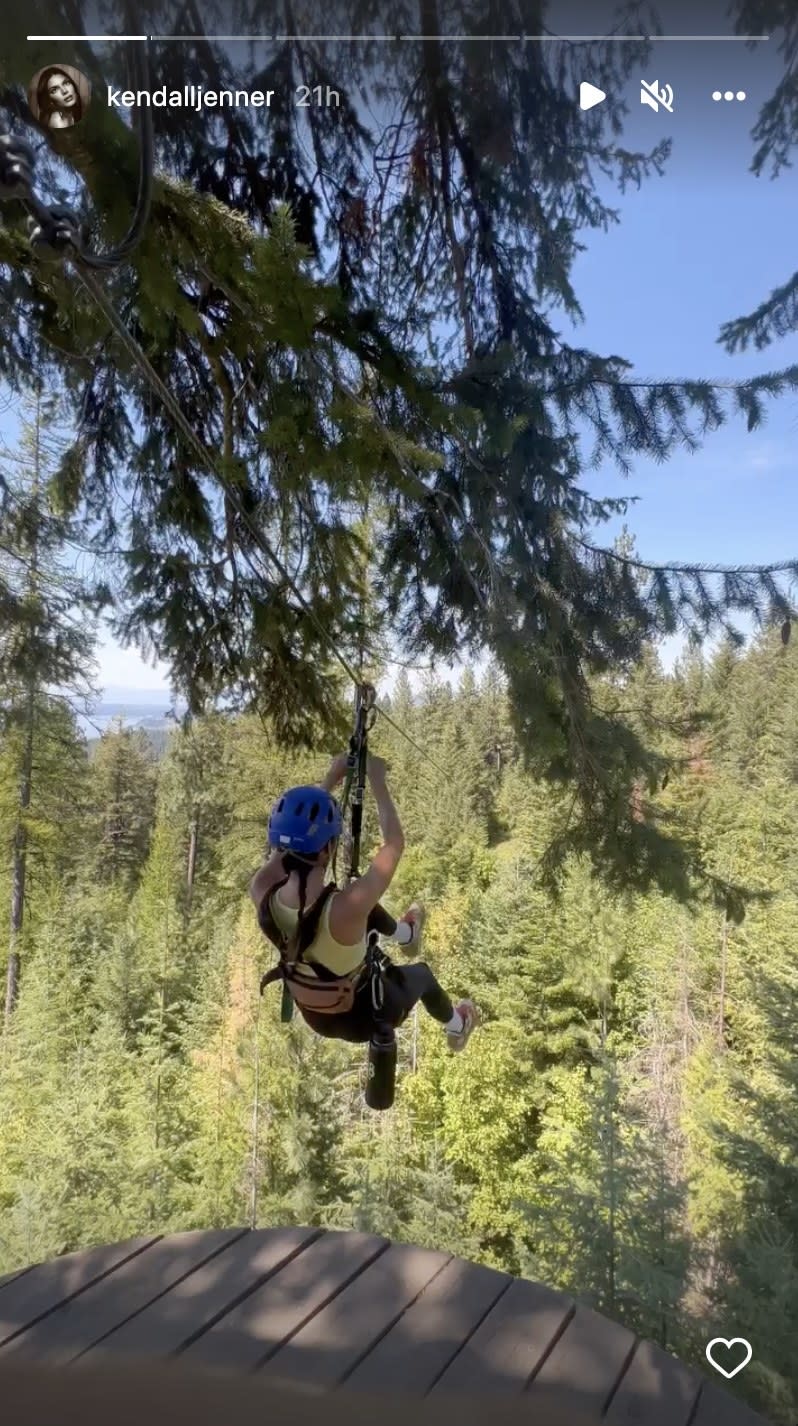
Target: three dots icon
{"x": 729, "y": 94}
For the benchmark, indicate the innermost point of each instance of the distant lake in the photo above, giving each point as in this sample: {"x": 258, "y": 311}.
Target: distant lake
{"x": 135, "y": 715}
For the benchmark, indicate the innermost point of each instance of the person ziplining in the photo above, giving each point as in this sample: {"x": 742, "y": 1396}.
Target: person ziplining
{"x": 325, "y": 934}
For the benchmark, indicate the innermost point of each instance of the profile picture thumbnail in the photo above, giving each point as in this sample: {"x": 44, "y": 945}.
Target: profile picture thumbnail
{"x": 59, "y": 96}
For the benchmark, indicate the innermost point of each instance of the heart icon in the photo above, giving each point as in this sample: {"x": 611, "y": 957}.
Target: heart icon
{"x": 728, "y": 1343}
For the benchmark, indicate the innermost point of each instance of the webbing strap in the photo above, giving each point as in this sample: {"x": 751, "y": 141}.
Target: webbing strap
{"x": 357, "y": 766}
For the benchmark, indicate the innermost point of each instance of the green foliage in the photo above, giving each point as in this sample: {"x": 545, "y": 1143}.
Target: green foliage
{"x": 45, "y": 663}
{"x": 621, "y": 1124}
{"x": 123, "y": 800}
{"x": 342, "y": 331}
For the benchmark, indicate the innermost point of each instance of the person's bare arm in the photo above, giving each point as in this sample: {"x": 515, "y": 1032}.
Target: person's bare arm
{"x": 335, "y": 773}
{"x": 262, "y": 877}
{"x": 350, "y": 909}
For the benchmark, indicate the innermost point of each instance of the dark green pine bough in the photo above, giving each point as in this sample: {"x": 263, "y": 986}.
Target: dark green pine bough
{"x": 359, "y": 304}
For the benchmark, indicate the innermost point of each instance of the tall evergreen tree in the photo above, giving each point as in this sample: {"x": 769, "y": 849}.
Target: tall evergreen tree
{"x": 123, "y": 775}
{"x": 45, "y": 643}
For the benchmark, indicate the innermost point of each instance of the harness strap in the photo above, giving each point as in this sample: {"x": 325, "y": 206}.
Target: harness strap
{"x": 322, "y": 989}
{"x": 276, "y": 973}
{"x": 356, "y": 765}
{"x": 375, "y": 963}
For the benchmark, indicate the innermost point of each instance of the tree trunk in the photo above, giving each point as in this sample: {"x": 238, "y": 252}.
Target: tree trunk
{"x": 724, "y": 963}
{"x": 255, "y": 1159}
{"x": 116, "y": 818}
{"x": 724, "y": 967}
{"x": 415, "y": 1040}
{"x": 613, "y": 1207}
{"x": 724, "y": 952}
{"x": 191, "y": 868}
{"x": 19, "y": 864}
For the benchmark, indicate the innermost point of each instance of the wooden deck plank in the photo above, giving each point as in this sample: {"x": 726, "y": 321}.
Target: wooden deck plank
{"x": 584, "y": 1365}
{"x": 12, "y": 1277}
{"x": 656, "y": 1390}
{"x": 260, "y": 1324}
{"x": 718, "y": 1407}
{"x": 215, "y": 1288}
{"x": 509, "y": 1343}
{"x": 170, "y": 1392}
{"x": 48, "y": 1285}
{"x": 66, "y": 1333}
{"x": 421, "y": 1344}
{"x": 330, "y": 1345}
{"x": 320, "y": 1309}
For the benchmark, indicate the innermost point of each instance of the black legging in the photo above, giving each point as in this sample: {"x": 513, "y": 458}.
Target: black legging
{"x": 402, "y": 988}
{"x": 381, "y": 921}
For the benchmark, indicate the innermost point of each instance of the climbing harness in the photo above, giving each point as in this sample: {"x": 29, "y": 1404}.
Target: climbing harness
{"x": 306, "y": 983}
{"x": 322, "y": 991}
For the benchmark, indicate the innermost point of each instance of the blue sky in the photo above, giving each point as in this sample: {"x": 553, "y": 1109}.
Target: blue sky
{"x": 703, "y": 244}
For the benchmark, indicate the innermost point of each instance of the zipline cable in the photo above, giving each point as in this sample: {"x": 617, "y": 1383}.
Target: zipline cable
{"x": 393, "y": 724}
{"x": 174, "y": 409}
{"x": 206, "y": 458}
{"x": 141, "y": 213}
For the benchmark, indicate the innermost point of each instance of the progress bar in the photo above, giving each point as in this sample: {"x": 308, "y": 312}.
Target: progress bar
{"x": 89, "y": 37}
{"x": 413, "y": 39}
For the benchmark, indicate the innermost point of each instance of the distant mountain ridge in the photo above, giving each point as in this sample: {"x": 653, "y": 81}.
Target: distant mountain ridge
{"x": 136, "y": 697}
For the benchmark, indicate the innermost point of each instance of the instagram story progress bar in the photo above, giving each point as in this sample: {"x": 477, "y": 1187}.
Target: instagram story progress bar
{"x": 406, "y": 39}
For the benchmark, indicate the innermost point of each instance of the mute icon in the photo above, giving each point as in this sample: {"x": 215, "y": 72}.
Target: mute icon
{"x": 655, "y": 94}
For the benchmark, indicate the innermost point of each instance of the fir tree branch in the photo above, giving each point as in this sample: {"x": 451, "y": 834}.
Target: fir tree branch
{"x": 781, "y": 567}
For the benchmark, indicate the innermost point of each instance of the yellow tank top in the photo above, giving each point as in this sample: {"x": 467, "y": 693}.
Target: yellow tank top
{"x": 341, "y": 960}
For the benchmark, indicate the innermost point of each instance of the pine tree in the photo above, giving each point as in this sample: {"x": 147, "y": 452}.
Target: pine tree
{"x": 606, "y": 1218}
{"x": 775, "y": 135}
{"x": 124, "y": 801}
{"x": 196, "y": 798}
{"x": 45, "y": 645}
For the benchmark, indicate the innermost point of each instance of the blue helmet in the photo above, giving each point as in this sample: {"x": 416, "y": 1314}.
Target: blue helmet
{"x": 304, "y": 820}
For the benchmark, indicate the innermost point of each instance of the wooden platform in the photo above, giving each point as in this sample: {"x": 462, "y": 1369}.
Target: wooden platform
{"x": 303, "y": 1306}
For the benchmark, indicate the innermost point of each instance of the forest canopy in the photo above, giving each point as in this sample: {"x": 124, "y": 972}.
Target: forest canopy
{"x": 621, "y": 1126}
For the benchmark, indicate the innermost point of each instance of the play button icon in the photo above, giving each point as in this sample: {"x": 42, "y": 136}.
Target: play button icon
{"x": 590, "y": 95}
